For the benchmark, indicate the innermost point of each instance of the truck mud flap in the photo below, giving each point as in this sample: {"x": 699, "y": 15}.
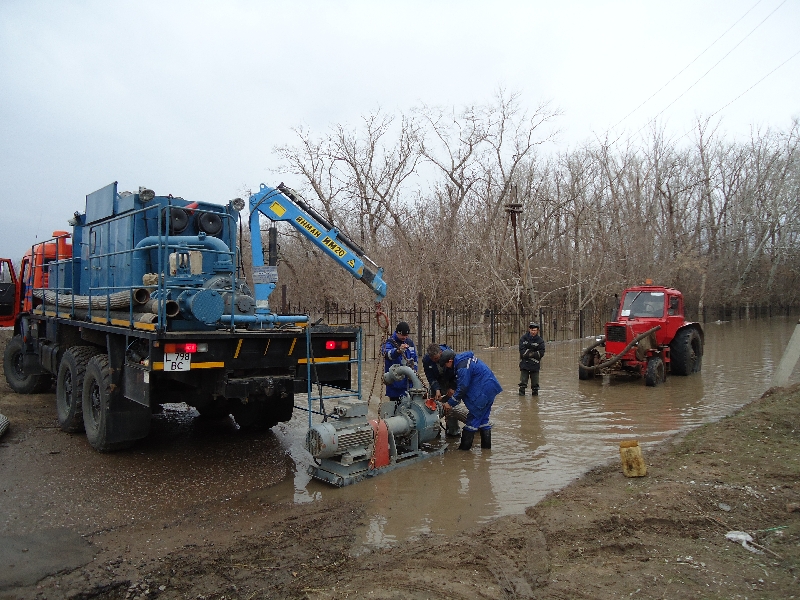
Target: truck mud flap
{"x": 127, "y": 421}
{"x": 136, "y": 385}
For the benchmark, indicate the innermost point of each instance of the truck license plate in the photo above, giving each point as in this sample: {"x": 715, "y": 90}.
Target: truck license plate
{"x": 179, "y": 361}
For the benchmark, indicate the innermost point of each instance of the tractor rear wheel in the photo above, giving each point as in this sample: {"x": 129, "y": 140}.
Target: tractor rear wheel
{"x": 686, "y": 352}
{"x": 655, "y": 372}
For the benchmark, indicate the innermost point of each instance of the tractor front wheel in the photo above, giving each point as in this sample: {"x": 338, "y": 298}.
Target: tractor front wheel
{"x": 655, "y": 373}
{"x": 589, "y": 359}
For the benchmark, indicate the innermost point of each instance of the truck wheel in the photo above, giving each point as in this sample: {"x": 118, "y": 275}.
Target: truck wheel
{"x": 69, "y": 387}
{"x": 15, "y": 376}
{"x": 686, "y": 352}
{"x": 255, "y": 415}
{"x": 655, "y": 372}
{"x": 213, "y": 409}
{"x": 587, "y": 360}
{"x": 96, "y": 405}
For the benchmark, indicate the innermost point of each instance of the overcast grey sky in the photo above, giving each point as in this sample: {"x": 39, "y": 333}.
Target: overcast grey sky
{"x": 191, "y": 97}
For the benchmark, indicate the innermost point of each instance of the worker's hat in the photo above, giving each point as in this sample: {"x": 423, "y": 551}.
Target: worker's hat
{"x": 532, "y": 325}
{"x": 402, "y": 327}
{"x": 446, "y": 356}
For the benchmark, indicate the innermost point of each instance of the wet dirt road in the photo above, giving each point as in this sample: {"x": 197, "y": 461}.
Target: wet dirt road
{"x": 53, "y": 480}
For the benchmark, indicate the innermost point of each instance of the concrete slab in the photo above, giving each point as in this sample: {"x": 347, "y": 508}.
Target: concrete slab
{"x": 25, "y": 559}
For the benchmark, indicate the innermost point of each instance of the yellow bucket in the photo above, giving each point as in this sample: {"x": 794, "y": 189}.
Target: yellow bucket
{"x": 632, "y": 460}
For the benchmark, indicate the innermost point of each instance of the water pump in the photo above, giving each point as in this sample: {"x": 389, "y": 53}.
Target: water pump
{"x": 350, "y": 446}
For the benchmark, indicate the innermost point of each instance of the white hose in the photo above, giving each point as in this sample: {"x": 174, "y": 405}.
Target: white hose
{"x": 115, "y": 300}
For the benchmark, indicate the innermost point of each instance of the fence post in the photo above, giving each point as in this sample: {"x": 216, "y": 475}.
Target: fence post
{"x": 433, "y": 326}
{"x": 420, "y": 337}
{"x": 541, "y": 322}
{"x": 491, "y": 328}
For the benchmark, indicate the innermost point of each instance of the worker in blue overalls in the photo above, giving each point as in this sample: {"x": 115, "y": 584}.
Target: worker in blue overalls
{"x": 441, "y": 381}
{"x": 477, "y": 387}
{"x": 399, "y": 349}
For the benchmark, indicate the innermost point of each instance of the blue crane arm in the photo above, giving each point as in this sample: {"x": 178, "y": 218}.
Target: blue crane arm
{"x": 283, "y": 204}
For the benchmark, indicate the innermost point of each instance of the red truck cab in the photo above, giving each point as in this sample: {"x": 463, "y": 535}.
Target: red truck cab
{"x": 16, "y": 288}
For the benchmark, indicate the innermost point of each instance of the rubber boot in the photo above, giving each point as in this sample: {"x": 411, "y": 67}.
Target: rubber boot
{"x": 521, "y": 391}
{"x": 467, "y": 436}
{"x": 535, "y": 391}
{"x": 486, "y": 438}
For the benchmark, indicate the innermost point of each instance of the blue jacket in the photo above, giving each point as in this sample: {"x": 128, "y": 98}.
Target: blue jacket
{"x": 393, "y": 356}
{"x": 477, "y": 385}
{"x": 438, "y": 378}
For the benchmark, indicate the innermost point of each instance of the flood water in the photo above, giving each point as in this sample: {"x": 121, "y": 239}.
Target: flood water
{"x": 539, "y": 444}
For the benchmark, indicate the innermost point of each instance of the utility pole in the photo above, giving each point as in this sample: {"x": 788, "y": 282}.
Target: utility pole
{"x": 513, "y": 209}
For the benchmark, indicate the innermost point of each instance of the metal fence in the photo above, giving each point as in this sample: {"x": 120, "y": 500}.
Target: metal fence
{"x": 464, "y": 329}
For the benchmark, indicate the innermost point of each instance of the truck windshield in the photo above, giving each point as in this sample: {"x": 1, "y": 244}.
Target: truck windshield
{"x": 643, "y": 304}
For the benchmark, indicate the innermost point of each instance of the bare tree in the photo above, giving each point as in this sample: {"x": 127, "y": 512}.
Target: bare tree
{"x": 425, "y": 194}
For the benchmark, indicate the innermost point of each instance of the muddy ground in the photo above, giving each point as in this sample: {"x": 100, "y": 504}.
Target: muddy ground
{"x": 64, "y": 534}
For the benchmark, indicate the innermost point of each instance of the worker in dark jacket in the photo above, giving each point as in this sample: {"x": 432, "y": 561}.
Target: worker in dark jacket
{"x": 477, "y": 386}
{"x": 441, "y": 381}
{"x": 531, "y": 351}
{"x": 399, "y": 349}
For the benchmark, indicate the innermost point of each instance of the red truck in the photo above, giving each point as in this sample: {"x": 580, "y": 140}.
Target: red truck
{"x": 649, "y": 337}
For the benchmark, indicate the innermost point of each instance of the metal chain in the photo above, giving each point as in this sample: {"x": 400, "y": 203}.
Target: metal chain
{"x": 379, "y": 316}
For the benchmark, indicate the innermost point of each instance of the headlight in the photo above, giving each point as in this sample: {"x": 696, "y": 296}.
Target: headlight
{"x": 146, "y": 195}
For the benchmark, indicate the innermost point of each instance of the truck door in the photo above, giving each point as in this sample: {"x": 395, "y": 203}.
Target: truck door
{"x": 8, "y": 292}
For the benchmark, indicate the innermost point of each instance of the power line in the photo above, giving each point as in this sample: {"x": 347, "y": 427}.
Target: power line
{"x": 709, "y": 70}
{"x": 744, "y": 92}
{"x": 714, "y": 66}
{"x": 696, "y": 58}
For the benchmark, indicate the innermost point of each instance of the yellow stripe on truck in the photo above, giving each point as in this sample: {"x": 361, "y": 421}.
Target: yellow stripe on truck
{"x": 159, "y": 366}
{"x": 327, "y": 359}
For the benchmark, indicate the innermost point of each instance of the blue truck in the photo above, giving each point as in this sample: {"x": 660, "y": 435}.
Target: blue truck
{"x": 145, "y": 302}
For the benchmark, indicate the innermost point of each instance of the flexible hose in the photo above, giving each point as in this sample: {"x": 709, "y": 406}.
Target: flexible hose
{"x": 117, "y": 315}
{"x": 171, "y": 307}
{"x": 616, "y": 358}
{"x": 115, "y": 300}
{"x": 399, "y": 372}
{"x": 460, "y": 412}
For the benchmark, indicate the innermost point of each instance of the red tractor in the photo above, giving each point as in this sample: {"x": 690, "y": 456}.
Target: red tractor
{"x": 649, "y": 337}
